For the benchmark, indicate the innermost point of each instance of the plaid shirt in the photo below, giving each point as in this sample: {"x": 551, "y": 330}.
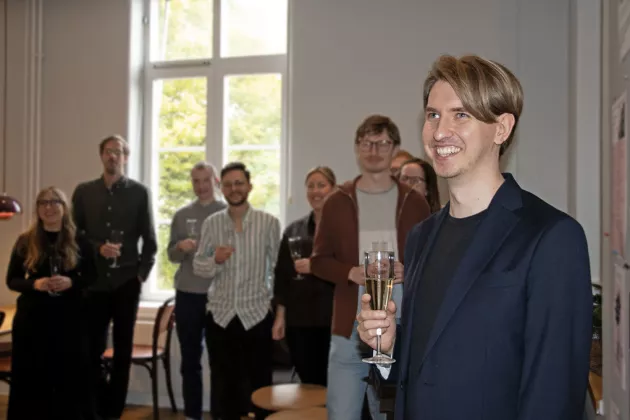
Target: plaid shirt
{"x": 241, "y": 286}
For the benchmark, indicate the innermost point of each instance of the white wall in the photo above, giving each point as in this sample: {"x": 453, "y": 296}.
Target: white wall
{"x": 347, "y": 59}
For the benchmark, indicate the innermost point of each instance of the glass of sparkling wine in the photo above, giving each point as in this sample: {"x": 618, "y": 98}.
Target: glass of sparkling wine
{"x": 295, "y": 247}
{"x": 191, "y": 228}
{"x": 55, "y": 269}
{"x": 379, "y": 283}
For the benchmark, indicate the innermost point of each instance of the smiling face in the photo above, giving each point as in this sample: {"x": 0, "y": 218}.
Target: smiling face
{"x": 203, "y": 183}
{"x": 318, "y": 187}
{"x": 50, "y": 209}
{"x": 457, "y": 142}
{"x": 375, "y": 152}
{"x": 235, "y": 187}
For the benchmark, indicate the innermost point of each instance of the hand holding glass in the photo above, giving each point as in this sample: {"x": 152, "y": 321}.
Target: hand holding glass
{"x": 191, "y": 228}
{"x": 55, "y": 268}
{"x": 116, "y": 238}
{"x": 295, "y": 247}
{"x": 379, "y": 283}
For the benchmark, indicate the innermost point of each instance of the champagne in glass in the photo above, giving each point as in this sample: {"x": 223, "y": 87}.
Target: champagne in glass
{"x": 191, "y": 228}
{"x": 116, "y": 238}
{"x": 295, "y": 247}
{"x": 379, "y": 283}
{"x": 55, "y": 269}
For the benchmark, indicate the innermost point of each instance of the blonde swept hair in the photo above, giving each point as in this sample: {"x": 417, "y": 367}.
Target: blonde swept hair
{"x": 326, "y": 173}
{"x": 486, "y": 88}
{"x": 33, "y": 240}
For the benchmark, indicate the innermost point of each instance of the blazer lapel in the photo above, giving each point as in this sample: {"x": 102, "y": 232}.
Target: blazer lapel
{"x": 493, "y": 230}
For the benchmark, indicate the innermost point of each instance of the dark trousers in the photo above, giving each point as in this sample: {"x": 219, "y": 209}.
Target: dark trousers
{"x": 240, "y": 357}
{"x": 121, "y": 307}
{"x": 190, "y": 321}
{"x": 309, "y": 347}
{"x": 47, "y": 360}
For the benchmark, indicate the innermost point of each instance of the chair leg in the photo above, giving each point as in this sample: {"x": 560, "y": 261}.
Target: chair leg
{"x": 166, "y": 360}
{"x": 154, "y": 389}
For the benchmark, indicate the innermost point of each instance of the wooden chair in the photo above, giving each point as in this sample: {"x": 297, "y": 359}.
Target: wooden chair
{"x": 149, "y": 356}
{"x": 289, "y": 397}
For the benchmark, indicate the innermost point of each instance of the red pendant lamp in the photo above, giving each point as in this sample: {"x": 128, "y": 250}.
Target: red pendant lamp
{"x": 9, "y": 206}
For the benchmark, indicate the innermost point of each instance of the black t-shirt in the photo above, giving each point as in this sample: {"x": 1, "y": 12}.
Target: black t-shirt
{"x": 451, "y": 243}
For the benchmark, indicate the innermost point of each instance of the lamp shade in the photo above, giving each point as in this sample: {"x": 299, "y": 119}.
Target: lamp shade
{"x": 9, "y": 207}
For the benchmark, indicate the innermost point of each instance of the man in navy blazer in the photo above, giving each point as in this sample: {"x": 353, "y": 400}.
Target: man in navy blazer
{"x": 496, "y": 315}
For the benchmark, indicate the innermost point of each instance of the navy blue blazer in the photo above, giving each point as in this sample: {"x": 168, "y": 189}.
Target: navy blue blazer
{"x": 512, "y": 338}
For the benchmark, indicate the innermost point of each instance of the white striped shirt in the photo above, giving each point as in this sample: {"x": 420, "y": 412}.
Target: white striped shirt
{"x": 242, "y": 286}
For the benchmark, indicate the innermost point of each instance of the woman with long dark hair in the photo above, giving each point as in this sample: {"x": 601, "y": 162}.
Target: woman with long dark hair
{"x": 48, "y": 267}
{"x": 303, "y": 301}
{"x": 420, "y": 175}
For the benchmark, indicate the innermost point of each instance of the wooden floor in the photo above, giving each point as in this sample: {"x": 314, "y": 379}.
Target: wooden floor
{"x": 131, "y": 413}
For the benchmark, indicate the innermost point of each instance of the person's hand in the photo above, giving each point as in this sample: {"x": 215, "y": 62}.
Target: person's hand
{"x": 371, "y": 321}
{"x": 59, "y": 283}
{"x": 399, "y": 272}
{"x": 222, "y": 253}
{"x": 278, "y": 329}
{"x": 357, "y": 275}
{"x": 42, "y": 284}
{"x": 303, "y": 265}
{"x": 187, "y": 245}
{"x": 108, "y": 250}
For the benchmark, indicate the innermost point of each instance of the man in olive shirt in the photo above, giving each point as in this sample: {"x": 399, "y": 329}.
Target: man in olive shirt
{"x": 114, "y": 205}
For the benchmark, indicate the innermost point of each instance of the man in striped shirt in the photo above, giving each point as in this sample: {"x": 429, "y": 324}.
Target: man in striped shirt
{"x": 237, "y": 250}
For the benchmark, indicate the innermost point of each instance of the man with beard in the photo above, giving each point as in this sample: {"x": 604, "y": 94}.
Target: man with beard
{"x": 191, "y": 295}
{"x": 237, "y": 250}
{"x": 374, "y": 207}
{"x": 114, "y": 213}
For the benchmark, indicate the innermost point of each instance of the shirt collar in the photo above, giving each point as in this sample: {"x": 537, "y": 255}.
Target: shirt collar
{"x": 122, "y": 181}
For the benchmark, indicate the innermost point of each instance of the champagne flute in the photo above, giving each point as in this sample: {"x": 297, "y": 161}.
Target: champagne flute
{"x": 191, "y": 228}
{"x": 379, "y": 283}
{"x": 55, "y": 268}
{"x": 230, "y": 240}
{"x": 295, "y": 247}
{"x": 116, "y": 238}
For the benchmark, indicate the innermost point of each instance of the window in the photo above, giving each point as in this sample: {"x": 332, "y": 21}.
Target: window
{"x": 214, "y": 90}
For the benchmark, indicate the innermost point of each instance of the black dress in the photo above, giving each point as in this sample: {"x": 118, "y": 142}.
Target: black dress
{"x": 48, "y": 357}
{"x": 308, "y": 307}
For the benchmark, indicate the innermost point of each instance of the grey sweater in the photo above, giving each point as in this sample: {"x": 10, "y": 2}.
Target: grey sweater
{"x": 185, "y": 279}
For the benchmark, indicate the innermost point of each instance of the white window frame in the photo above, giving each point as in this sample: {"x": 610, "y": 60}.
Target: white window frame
{"x": 215, "y": 71}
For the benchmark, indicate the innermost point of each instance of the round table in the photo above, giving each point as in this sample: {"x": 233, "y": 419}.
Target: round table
{"x": 289, "y": 397}
{"x": 313, "y": 413}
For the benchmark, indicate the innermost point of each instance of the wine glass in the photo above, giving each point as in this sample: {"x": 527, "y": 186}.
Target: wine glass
{"x": 191, "y": 228}
{"x": 230, "y": 239}
{"x": 55, "y": 269}
{"x": 116, "y": 238}
{"x": 295, "y": 247}
{"x": 379, "y": 283}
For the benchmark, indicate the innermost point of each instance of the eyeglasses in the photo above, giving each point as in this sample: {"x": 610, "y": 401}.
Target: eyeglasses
{"x": 235, "y": 184}
{"x": 382, "y": 146}
{"x": 51, "y": 203}
{"x": 411, "y": 180}
{"x": 113, "y": 152}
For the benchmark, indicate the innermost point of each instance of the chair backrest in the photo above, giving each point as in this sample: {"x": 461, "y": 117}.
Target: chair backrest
{"x": 164, "y": 321}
